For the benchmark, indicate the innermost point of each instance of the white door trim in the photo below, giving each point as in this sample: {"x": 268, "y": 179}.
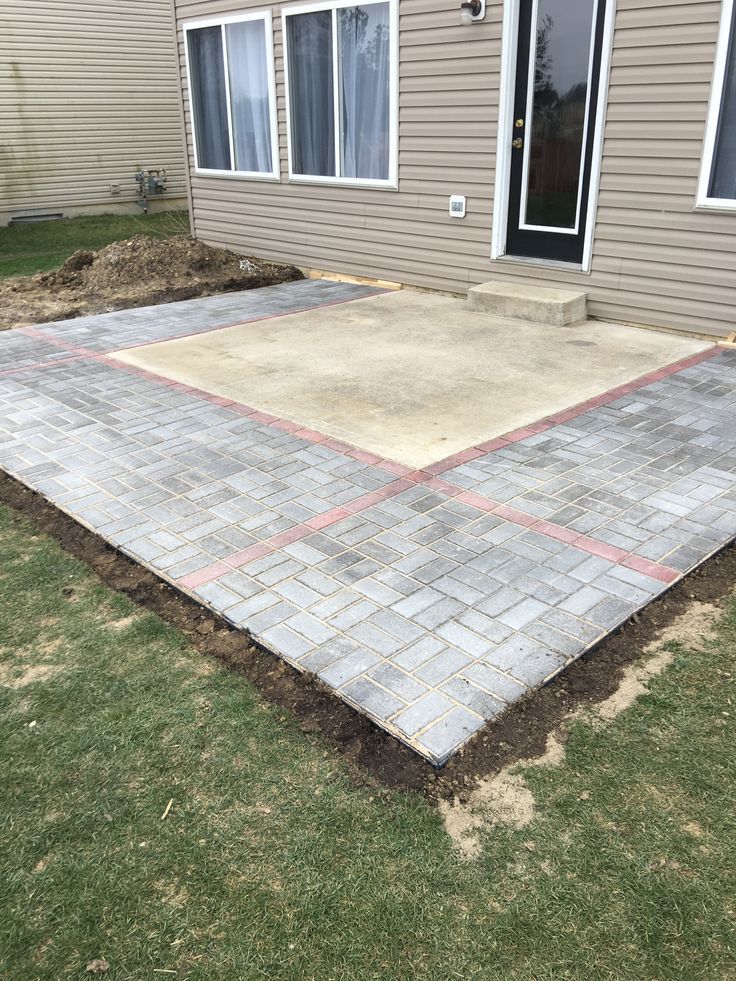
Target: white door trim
{"x": 715, "y": 108}
{"x": 509, "y": 46}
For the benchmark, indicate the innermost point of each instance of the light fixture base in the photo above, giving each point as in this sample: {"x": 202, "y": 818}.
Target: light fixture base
{"x": 472, "y": 10}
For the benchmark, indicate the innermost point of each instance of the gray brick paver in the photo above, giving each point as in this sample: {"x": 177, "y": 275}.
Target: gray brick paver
{"x": 346, "y": 668}
{"x": 447, "y": 735}
{"x": 446, "y": 664}
{"x": 404, "y": 686}
{"x": 419, "y": 653}
{"x": 474, "y": 698}
{"x": 372, "y": 698}
{"x": 422, "y": 713}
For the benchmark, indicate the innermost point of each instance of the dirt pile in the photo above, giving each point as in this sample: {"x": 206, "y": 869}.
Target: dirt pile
{"x": 135, "y": 272}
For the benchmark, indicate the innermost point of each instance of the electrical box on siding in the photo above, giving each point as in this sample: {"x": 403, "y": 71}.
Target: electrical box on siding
{"x": 457, "y": 206}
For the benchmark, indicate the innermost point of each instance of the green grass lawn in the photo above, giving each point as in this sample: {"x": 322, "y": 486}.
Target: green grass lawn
{"x": 40, "y": 246}
{"x": 272, "y": 864}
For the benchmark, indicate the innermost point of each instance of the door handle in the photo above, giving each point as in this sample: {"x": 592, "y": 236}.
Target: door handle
{"x": 518, "y": 143}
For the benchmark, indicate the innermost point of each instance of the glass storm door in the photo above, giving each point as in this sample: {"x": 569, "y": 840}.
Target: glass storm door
{"x": 556, "y": 94}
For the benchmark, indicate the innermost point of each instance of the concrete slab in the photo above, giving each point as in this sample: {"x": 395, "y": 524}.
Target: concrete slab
{"x": 410, "y": 376}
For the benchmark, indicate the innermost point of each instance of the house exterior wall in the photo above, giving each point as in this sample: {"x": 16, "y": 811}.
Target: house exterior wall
{"x": 656, "y": 260}
{"x": 88, "y": 95}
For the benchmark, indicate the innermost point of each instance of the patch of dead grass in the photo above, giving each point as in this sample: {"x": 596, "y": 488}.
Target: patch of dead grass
{"x": 43, "y": 863}
{"x": 634, "y": 684}
{"x": 693, "y": 628}
{"x": 28, "y": 676}
{"x": 173, "y": 894}
{"x": 124, "y": 622}
{"x": 49, "y": 647}
{"x": 505, "y": 798}
{"x": 694, "y": 829}
{"x": 200, "y": 666}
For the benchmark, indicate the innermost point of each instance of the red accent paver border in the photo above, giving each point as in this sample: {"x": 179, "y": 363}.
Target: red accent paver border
{"x": 618, "y": 556}
{"x": 428, "y": 476}
{"x": 40, "y": 365}
{"x": 566, "y": 415}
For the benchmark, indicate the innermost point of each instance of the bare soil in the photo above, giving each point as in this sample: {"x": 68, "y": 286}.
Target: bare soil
{"x": 505, "y": 798}
{"x": 521, "y": 733}
{"x": 136, "y": 272}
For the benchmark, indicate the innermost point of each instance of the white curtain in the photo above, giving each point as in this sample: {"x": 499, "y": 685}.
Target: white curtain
{"x": 364, "y": 58}
{"x": 209, "y": 108}
{"x": 723, "y": 177}
{"x": 249, "y": 96}
{"x": 311, "y": 93}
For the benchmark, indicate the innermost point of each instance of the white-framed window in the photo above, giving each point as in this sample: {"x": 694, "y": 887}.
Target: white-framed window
{"x": 341, "y": 64}
{"x": 717, "y": 185}
{"x": 232, "y": 95}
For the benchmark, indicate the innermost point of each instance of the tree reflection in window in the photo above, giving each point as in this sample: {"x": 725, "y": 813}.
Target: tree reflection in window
{"x": 558, "y": 120}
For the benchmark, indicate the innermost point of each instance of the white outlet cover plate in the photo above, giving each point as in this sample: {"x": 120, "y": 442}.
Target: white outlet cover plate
{"x": 457, "y": 206}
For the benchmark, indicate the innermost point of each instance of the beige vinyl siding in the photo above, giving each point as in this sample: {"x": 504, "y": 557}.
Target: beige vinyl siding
{"x": 405, "y": 235}
{"x": 655, "y": 259}
{"x": 89, "y": 94}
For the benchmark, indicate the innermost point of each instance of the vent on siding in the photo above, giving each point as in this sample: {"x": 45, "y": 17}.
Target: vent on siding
{"x": 30, "y": 219}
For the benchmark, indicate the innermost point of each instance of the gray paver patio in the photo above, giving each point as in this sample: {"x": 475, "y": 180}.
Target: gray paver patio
{"x": 429, "y": 600}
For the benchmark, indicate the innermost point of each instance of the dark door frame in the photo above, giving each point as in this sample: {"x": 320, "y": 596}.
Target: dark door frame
{"x": 501, "y": 247}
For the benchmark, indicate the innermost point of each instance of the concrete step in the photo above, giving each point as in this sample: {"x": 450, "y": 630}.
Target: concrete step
{"x": 540, "y": 304}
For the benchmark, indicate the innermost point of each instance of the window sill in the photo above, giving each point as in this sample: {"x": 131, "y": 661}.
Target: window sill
{"x": 237, "y": 175}
{"x": 344, "y": 182}
{"x": 722, "y": 205}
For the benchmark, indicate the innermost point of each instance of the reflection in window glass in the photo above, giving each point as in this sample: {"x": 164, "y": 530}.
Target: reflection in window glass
{"x": 311, "y": 93}
{"x": 557, "y": 130}
{"x": 249, "y": 96}
{"x": 364, "y": 57}
{"x": 358, "y": 114}
{"x": 232, "y": 61}
{"x": 209, "y": 106}
{"x": 723, "y": 172}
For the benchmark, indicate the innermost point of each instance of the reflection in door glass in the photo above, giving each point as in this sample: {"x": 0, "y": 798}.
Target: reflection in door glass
{"x": 556, "y": 133}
